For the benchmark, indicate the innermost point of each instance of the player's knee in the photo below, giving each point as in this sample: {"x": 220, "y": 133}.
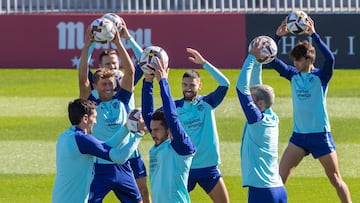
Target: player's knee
{"x": 335, "y": 180}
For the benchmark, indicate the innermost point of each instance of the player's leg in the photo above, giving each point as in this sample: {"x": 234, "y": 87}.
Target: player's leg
{"x": 126, "y": 189}
{"x": 141, "y": 183}
{"x": 102, "y": 182}
{"x": 219, "y": 193}
{"x": 330, "y": 164}
{"x": 324, "y": 150}
{"x": 290, "y": 159}
{"x": 210, "y": 179}
{"x": 139, "y": 170}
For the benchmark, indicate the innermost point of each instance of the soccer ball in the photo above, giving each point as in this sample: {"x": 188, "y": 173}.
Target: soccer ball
{"x": 117, "y": 80}
{"x": 296, "y": 22}
{"x": 269, "y": 51}
{"x": 133, "y": 119}
{"x": 147, "y": 60}
{"x": 117, "y": 20}
{"x": 103, "y": 30}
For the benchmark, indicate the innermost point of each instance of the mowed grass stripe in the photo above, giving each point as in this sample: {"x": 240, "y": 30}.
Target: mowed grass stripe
{"x": 37, "y": 157}
{"x": 230, "y": 107}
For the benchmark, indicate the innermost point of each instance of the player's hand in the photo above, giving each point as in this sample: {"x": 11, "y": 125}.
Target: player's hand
{"x": 161, "y": 71}
{"x": 195, "y": 56}
{"x": 89, "y": 37}
{"x": 142, "y": 129}
{"x": 149, "y": 77}
{"x": 117, "y": 39}
{"x": 256, "y": 49}
{"x": 282, "y": 29}
{"x": 124, "y": 31}
{"x": 310, "y": 26}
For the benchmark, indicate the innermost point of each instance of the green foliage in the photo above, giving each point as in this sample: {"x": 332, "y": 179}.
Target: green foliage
{"x": 33, "y": 113}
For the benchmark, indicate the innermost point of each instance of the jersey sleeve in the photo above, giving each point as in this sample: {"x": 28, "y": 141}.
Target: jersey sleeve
{"x": 217, "y": 96}
{"x": 251, "y": 111}
{"x": 327, "y": 69}
{"x": 123, "y": 95}
{"x": 135, "y": 47}
{"x": 88, "y": 144}
{"x": 282, "y": 68}
{"x": 147, "y": 102}
{"x": 218, "y": 76}
{"x": 138, "y": 74}
{"x": 109, "y": 150}
{"x": 181, "y": 142}
{"x": 122, "y": 153}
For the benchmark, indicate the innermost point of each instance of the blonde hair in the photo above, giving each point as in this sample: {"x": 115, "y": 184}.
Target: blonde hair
{"x": 264, "y": 92}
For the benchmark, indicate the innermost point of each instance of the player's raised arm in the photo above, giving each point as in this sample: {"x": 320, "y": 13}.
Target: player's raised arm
{"x": 84, "y": 83}
{"x": 198, "y": 59}
{"x": 127, "y": 81}
{"x": 250, "y": 75}
{"x": 125, "y": 34}
{"x": 147, "y": 99}
{"x": 181, "y": 142}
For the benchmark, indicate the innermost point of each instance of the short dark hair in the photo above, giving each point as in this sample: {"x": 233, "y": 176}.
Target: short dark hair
{"x": 191, "y": 74}
{"x": 103, "y": 73}
{"x": 78, "y": 108}
{"x": 303, "y": 49}
{"x": 107, "y": 52}
{"x": 159, "y": 115}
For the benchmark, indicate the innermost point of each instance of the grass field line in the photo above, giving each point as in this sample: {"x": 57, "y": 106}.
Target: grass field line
{"x": 38, "y": 157}
{"x": 230, "y": 107}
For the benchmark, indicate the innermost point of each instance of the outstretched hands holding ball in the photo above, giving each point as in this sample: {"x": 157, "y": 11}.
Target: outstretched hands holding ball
{"x": 310, "y": 26}
{"x": 161, "y": 71}
{"x": 256, "y": 49}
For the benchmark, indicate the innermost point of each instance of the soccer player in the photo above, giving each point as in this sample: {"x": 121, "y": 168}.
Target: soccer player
{"x": 259, "y": 144}
{"x": 109, "y": 59}
{"x": 196, "y": 114}
{"x": 173, "y": 151}
{"x": 112, "y": 112}
{"x": 311, "y": 131}
{"x": 76, "y": 148}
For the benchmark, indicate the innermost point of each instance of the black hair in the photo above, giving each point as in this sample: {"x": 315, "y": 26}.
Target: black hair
{"x": 78, "y": 108}
{"x": 303, "y": 49}
{"x": 159, "y": 115}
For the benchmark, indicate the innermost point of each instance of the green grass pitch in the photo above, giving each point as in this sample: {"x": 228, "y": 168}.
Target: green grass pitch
{"x": 33, "y": 113}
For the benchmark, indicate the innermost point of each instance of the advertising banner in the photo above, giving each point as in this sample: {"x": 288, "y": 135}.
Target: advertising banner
{"x": 55, "y": 41}
{"x": 341, "y": 37}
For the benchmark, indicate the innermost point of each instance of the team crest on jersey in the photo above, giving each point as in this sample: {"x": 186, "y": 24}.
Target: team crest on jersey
{"x": 116, "y": 105}
{"x": 311, "y": 79}
{"x": 200, "y": 107}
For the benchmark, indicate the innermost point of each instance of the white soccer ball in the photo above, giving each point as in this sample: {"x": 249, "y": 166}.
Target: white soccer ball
{"x": 269, "y": 51}
{"x": 103, "y": 30}
{"x": 117, "y": 20}
{"x": 147, "y": 60}
{"x": 296, "y": 22}
{"x": 117, "y": 80}
{"x": 133, "y": 120}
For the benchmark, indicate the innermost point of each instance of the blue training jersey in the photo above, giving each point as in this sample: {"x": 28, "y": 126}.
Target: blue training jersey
{"x": 170, "y": 161}
{"x": 198, "y": 119}
{"x": 309, "y": 91}
{"x": 259, "y": 145}
{"x": 75, "y": 151}
{"x": 111, "y": 116}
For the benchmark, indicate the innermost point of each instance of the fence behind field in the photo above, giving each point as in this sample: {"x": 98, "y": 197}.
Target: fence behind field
{"x": 165, "y": 6}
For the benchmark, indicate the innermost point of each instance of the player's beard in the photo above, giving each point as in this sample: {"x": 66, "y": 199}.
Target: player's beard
{"x": 90, "y": 129}
{"x": 189, "y": 95}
